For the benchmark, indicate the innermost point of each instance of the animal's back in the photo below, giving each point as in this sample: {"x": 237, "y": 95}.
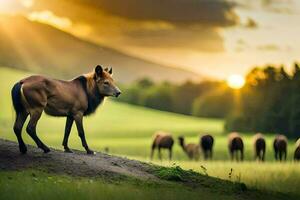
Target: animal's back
{"x": 280, "y": 142}
{"x": 235, "y": 141}
{"x": 193, "y": 150}
{"x": 298, "y": 143}
{"x": 259, "y": 141}
{"x": 297, "y": 150}
{"x": 49, "y": 85}
{"x": 207, "y": 142}
{"x": 57, "y": 97}
{"x": 163, "y": 139}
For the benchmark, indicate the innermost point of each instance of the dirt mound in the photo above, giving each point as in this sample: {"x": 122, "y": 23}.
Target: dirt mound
{"x": 75, "y": 164}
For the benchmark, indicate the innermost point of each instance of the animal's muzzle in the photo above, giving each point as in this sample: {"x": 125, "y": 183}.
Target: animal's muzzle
{"x": 117, "y": 93}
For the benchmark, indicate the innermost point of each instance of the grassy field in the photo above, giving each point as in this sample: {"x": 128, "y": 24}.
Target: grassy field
{"x": 127, "y": 130}
{"x": 34, "y": 184}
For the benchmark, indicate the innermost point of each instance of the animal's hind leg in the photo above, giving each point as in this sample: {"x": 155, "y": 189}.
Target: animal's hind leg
{"x": 210, "y": 154}
{"x": 31, "y": 130}
{"x": 159, "y": 153}
{"x": 18, "y": 125}
{"x": 242, "y": 154}
{"x": 285, "y": 155}
{"x": 152, "y": 150}
{"x": 263, "y": 155}
{"x": 280, "y": 155}
{"x": 237, "y": 155}
{"x": 170, "y": 153}
{"x": 276, "y": 155}
{"x": 231, "y": 155}
{"x": 205, "y": 155}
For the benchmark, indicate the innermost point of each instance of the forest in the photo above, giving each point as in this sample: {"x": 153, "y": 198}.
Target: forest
{"x": 268, "y": 102}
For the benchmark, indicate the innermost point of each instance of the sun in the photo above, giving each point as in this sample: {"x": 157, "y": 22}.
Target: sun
{"x": 235, "y": 81}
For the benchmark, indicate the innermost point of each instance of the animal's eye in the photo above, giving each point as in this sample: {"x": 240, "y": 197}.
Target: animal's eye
{"x": 106, "y": 82}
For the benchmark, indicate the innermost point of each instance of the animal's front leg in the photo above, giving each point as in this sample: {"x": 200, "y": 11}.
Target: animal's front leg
{"x": 78, "y": 120}
{"x": 68, "y": 128}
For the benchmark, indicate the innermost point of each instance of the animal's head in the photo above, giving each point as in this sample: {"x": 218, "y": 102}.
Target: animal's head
{"x": 105, "y": 82}
{"x": 181, "y": 140}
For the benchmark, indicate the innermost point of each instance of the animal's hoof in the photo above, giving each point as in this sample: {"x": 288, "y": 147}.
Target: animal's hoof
{"x": 46, "y": 150}
{"x": 90, "y": 152}
{"x": 23, "y": 149}
{"x": 68, "y": 151}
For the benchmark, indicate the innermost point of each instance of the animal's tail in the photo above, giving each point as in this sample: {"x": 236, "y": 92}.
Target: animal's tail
{"x": 16, "y": 97}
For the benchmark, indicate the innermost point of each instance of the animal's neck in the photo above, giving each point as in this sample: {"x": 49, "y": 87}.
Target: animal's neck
{"x": 94, "y": 98}
{"x": 182, "y": 144}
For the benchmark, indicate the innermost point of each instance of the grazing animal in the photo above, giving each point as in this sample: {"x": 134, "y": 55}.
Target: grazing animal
{"x": 207, "y": 143}
{"x": 162, "y": 140}
{"x": 259, "y": 146}
{"x": 72, "y": 99}
{"x": 191, "y": 150}
{"x": 297, "y": 151}
{"x": 280, "y": 147}
{"x": 235, "y": 144}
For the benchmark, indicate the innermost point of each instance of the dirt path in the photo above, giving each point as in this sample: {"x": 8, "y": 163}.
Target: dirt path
{"x": 76, "y": 164}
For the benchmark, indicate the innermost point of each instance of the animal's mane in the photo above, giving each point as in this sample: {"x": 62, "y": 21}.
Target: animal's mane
{"x": 92, "y": 93}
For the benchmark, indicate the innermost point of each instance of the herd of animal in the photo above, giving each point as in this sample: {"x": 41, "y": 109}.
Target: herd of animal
{"x": 163, "y": 140}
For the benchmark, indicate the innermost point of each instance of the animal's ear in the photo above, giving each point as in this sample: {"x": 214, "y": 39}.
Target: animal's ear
{"x": 98, "y": 70}
{"x": 110, "y": 71}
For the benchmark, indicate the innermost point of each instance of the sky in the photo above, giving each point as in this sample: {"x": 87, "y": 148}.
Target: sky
{"x": 215, "y": 38}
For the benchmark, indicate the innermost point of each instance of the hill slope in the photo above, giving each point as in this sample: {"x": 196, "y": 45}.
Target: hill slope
{"x": 112, "y": 169}
{"x": 44, "y": 49}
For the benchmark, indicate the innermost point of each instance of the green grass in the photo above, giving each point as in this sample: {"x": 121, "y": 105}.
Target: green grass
{"x": 38, "y": 185}
{"x": 127, "y": 130}
{"x": 276, "y": 177}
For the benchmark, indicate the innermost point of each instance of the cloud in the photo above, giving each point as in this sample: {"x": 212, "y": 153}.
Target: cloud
{"x": 211, "y": 12}
{"x": 268, "y": 47}
{"x": 27, "y": 3}
{"x": 181, "y": 24}
{"x": 10, "y": 6}
{"x": 48, "y": 17}
{"x": 250, "y": 23}
{"x": 200, "y": 38}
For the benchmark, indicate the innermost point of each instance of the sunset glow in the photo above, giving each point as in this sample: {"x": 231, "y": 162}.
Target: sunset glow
{"x": 236, "y": 81}
{"x": 48, "y": 17}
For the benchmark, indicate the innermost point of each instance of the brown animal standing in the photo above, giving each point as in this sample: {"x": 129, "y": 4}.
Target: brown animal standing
{"x": 191, "y": 150}
{"x": 297, "y": 151}
{"x": 207, "y": 143}
{"x": 280, "y": 147}
{"x": 235, "y": 145}
{"x": 259, "y": 146}
{"x": 162, "y": 140}
{"x": 72, "y": 99}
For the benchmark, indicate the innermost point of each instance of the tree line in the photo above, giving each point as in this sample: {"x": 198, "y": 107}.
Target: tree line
{"x": 189, "y": 98}
{"x": 269, "y": 101}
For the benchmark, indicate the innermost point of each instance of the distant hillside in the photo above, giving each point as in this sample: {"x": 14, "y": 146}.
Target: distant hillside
{"x": 44, "y": 49}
